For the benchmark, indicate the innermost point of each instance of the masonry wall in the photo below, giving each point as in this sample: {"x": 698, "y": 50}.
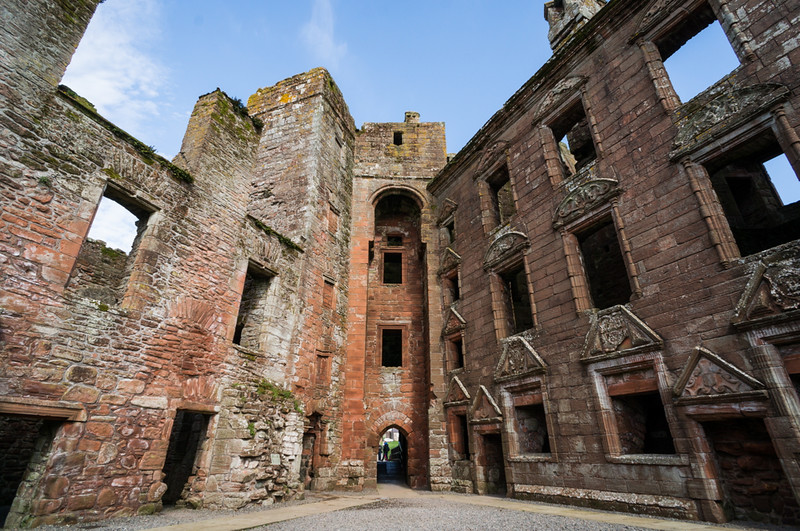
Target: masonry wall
{"x": 685, "y": 289}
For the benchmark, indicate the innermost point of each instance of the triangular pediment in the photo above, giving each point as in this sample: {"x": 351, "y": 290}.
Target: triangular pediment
{"x": 519, "y": 359}
{"x": 504, "y": 247}
{"x": 707, "y": 377}
{"x": 615, "y": 332}
{"x": 450, "y": 260}
{"x": 564, "y": 89}
{"x": 658, "y": 10}
{"x": 484, "y": 408}
{"x": 583, "y": 199}
{"x": 448, "y": 208}
{"x": 490, "y": 156}
{"x": 453, "y": 322}
{"x": 772, "y": 294}
{"x": 456, "y": 393}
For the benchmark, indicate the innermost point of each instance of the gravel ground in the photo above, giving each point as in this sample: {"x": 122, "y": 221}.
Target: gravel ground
{"x": 433, "y": 514}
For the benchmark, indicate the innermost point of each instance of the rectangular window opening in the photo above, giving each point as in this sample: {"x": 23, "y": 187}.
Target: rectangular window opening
{"x": 531, "y": 427}
{"x": 697, "y": 40}
{"x": 252, "y": 309}
{"x": 452, "y": 292}
{"x": 759, "y": 192}
{"x": 642, "y": 424}
{"x": 450, "y": 231}
{"x": 503, "y": 206}
{"x": 455, "y": 347}
{"x": 392, "y": 268}
{"x": 519, "y": 312}
{"x": 105, "y": 260}
{"x": 604, "y": 264}
{"x": 574, "y": 138}
{"x": 394, "y": 240}
{"x": 459, "y": 436}
{"x": 398, "y": 138}
{"x": 391, "y": 347}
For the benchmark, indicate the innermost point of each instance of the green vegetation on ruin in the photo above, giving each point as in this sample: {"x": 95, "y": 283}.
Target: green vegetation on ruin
{"x": 272, "y": 232}
{"x": 148, "y": 153}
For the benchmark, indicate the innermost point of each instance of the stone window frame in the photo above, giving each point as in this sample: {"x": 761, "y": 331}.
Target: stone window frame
{"x": 691, "y": 165}
{"x": 655, "y": 30}
{"x": 492, "y": 224}
{"x": 496, "y": 289}
{"x": 454, "y": 432}
{"x": 575, "y": 268}
{"x": 550, "y": 146}
{"x": 449, "y": 338}
{"x": 598, "y": 371}
{"x": 264, "y": 271}
{"x": 509, "y": 390}
{"x": 453, "y": 275}
{"x": 390, "y": 325}
{"x": 393, "y": 250}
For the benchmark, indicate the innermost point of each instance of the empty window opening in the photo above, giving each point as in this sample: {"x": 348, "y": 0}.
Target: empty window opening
{"x": 604, "y": 265}
{"x": 574, "y": 138}
{"x": 492, "y": 463}
{"x": 392, "y": 268}
{"x": 754, "y": 484}
{"x": 455, "y": 347}
{"x": 24, "y": 447}
{"x": 398, "y": 138}
{"x": 394, "y": 240}
{"x": 531, "y": 427}
{"x": 762, "y": 209}
{"x": 502, "y": 198}
{"x": 452, "y": 292}
{"x": 392, "y": 347}
{"x": 642, "y": 424}
{"x": 459, "y": 436}
{"x": 450, "y": 232}
{"x": 698, "y": 40}
{"x": 105, "y": 260}
{"x": 188, "y": 430}
{"x": 392, "y": 456}
{"x": 252, "y": 309}
{"x": 517, "y": 307}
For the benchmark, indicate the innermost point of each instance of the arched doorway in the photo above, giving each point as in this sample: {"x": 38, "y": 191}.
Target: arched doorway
{"x": 392, "y": 456}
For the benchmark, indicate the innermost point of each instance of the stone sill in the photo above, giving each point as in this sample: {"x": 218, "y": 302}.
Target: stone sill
{"x": 648, "y": 459}
{"x": 533, "y": 458}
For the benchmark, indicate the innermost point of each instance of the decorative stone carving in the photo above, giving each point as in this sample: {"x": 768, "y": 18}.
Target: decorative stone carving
{"x": 772, "y": 294}
{"x": 655, "y": 14}
{"x": 450, "y": 260}
{"x": 453, "y": 323}
{"x": 518, "y": 359}
{"x": 583, "y": 199}
{"x": 490, "y": 156}
{"x": 484, "y": 408}
{"x": 719, "y": 111}
{"x": 615, "y": 332}
{"x": 707, "y": 376}
{"x": 456, "y": 393}
{"x": 448, "y": 208}
{"x": 563, "y": 90}
{"x": 505, "y": 246}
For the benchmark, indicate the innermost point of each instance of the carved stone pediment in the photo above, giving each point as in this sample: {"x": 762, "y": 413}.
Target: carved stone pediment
{"x": 583, "y": 199}
{"x": 484, "y": 408}
{"x": 453, "y": 322}
{"x": 709, "y": 378}
{"x": 448, "y": 208}
{"x": 450, "y": 260}
{"x": 490, "y": 156}
{"x": 616, "y": 332}
{"x": 772, "y": 294}
{"x": 504, "y": 247}
{"x": 562, "y": 91}
{"x": 723, "y": 108}
{"x": 518, "y": 359}
{"x": 457, "y": 394}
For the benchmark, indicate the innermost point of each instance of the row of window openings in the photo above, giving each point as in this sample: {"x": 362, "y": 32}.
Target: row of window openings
{"x": 641, "y": 424}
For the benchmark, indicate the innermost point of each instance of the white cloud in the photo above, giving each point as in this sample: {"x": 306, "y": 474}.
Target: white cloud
{"x": 113, "y": 224}
{"x": 111, "y": 67}
{"x": 318, "y": 36}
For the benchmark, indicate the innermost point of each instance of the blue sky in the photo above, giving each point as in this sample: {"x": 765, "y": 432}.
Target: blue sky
{"x": 143, "y": 63}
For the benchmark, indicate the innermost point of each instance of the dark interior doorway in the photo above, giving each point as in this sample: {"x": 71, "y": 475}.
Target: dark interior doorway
{"x": 494, "y": 468}
{"x": 393, "y": 457}
{"x": 311, "y": 442}
{"x": 187, "y": 432}
{"x": 24, "y": 443}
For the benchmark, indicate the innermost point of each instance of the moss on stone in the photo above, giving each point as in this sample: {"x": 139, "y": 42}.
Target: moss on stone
{"x": 272, "y": 232}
